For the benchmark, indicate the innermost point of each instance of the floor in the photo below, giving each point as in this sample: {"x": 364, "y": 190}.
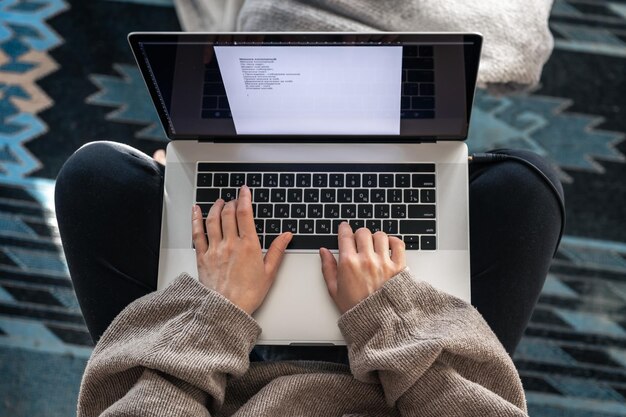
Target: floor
{"x": 67, "y": 77}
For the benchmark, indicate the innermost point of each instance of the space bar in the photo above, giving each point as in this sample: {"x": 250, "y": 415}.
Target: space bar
{"x": 310, "y": 242}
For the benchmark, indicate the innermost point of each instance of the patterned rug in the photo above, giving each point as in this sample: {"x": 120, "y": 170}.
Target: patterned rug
{"x": 67, "y": 77}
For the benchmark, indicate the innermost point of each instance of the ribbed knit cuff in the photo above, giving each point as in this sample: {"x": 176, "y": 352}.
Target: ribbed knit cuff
{"x": 213, "y": 308}
{"x": 391, "y": 303}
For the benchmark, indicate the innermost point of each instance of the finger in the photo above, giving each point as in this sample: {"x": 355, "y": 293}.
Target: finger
{"x": 398, "y": 254}
{"x": 275, "y": 253}
{"x": 347, "y": 246}
{"x": 214, "y": 222}
{"x": 229, "y": 220}
{"x": 329, "y": 271}
{"x": 245, "y": 218}
{"x": 363, "y": 239}
{"x": 381, "y": 244}
{"x": 197, "y": 231}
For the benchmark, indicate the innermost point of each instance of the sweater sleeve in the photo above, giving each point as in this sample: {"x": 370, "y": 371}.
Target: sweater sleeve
{"x": 432, "y": 353}
{"x": 168, "y": 353}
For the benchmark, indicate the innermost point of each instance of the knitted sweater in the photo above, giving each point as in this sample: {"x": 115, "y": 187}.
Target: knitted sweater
{"x": 413, "y": 350}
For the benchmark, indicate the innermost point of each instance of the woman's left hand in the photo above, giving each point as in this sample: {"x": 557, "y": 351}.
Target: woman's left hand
{"x": 231, "y": 262}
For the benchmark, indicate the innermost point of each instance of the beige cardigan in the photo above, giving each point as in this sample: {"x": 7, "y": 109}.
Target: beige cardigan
{"x": 414, "y": 351}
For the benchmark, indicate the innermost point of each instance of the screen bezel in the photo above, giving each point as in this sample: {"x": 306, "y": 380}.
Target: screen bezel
{"x": 472, "y": 57}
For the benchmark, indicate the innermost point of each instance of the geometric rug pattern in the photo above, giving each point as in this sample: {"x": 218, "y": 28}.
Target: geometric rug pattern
{"x": 67, "y": 77}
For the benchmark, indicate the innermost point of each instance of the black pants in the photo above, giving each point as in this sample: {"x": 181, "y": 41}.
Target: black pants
{"x": 108, "y": 206}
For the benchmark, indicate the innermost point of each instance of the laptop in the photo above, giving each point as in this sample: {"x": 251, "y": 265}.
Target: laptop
{"x": 323, "y": 127}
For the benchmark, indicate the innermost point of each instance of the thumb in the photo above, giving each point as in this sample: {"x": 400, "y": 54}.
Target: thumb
{"x": 329, "y": 270}
{"x": 274, "y": 254}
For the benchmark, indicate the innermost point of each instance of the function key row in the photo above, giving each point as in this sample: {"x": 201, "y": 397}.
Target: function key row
{"x": 313, "y": 167}
{"x": 317, "y": 180}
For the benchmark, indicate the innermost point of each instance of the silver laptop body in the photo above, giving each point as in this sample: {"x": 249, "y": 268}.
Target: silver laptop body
{"x": 265, "y": 77}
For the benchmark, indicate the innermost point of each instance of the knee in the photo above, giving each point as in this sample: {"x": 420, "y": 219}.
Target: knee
{"x": 104, "y": 166}
{"x": 537, "y": 172}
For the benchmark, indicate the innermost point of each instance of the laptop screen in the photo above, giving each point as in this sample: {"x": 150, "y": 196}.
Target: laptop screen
{"x": 293, "y": 85}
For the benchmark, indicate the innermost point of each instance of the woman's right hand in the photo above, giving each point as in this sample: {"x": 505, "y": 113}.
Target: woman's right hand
{"x": 363, "y": 267}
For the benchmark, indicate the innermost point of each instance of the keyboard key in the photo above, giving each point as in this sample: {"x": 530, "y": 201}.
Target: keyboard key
{"x": 254, "y": 209}
{"x": 357, "y": 224}
{"x": 282, "y": 211}
{"x": 394, "y": 196}
{"x": 344, "y": 195}
{"x": 311, "y": 195}
{"x": 205, "y": 209}
{"x": 370, "y": 180}
{"x": 427, "y": 196}
{"x": 315, "y": 211}
{"x": 398, "y": 211}
{"x": 377, "y": 195}
{"x": 381, "y": 211}
{"x": 259, "y": 225}
{"x": 423, "y": 180}
{"x": 268, "y": 241}
{"x": 298, "y": 210}
{"x": 294, "y": 195}
{"x": 204, "y": 180}
{"x": 331, "y": 211}
{"x": 287, "y": 180}
{"x": 306, "y": 226}
{"x": 366, "y": 211}
{"x": 412, "y": 246}
{"x": 353, "y": 180}
{"x": 220, "y": 180}
{"x": 390, "y": 226}
{"x": 254, "y": 180}
{"x": 303, "y": 180}
{"x": 272, "y": 226}
{"x": 411, "y": 196}
{"x": 279, "y": 195}
{"x": 421, "y": 211}
{"x": 261, "y": 195}
{"x": 328, "y": 195}
{"x": 411, "y": 239}
{"x": 270, "y": 180}
{"x": 290, "y": 225}
{"x": 208, "y": 195}
{"x": 403, "y": 180}
{"x": 237, "y": 179}
{"x": 229, "y": 194}
{"x": 260, "y": 240}
{"x": 320, "y": 180}
{"x": 373, "y": 225}
{"x": 386, "y": 180}
{"x": 361, "y": 196}
{"x": 265, "y": 211}
{"x": 313, "y": 242}
{"x": 348, "y": 211}
{"x": 322, "y": 226}
{"x": 417, "y": 227}
{"x": 335, "y": 180}
{"x": 428, "y": 243}
{"x": 335, "y": 226}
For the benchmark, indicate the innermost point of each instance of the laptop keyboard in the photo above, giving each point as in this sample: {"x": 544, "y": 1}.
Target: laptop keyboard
{"x": 311, "y": 200}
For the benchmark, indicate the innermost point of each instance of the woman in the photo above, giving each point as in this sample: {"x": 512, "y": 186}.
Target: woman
{"x": 184, "y": 350}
